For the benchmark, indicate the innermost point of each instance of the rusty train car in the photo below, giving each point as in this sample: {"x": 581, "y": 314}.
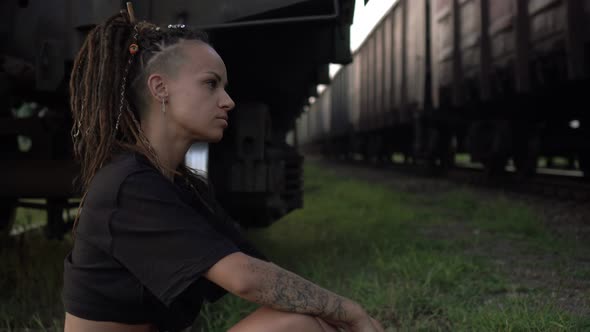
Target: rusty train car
{"x": 275, "y": 50}
{"x": 502, "y": 80}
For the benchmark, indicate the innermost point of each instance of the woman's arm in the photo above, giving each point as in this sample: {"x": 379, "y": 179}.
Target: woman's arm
{"x": 268, "y": 284}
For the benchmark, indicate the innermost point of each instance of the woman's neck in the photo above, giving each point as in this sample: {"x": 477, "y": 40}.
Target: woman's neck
{"x": 169, "y": 147}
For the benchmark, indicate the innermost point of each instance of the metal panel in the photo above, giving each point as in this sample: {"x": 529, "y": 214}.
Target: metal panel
{"x": 434, "y": 51}
{"x": 339, "y": 107}
{"x": 586, "y": 19}
{"x": 38, "y": 178}
{"x": 301, "y": 127}
{"x": 399, "y": 61}
{"x": 346, "y": 98}
{"x": 211, "y": 12}
{"x": 40, "y": 33}
{"x": 349, "y": 97}
{"x": 379, "y": 49}
{"x": 442, "y": 30}
{"x": 486, "y": 55}
{"x": 470, "y": 36}
{"x": 470, "y": 32}
{"x": 442, "y": 7}
{"x": 366, "y": 111}
{"x": 416, "y": 56}
{"x": 577, "y": 35}
{"x": 557, "y": 36}
{"x": 364, "y": 89}
{"x": 326, "y": 112}
{"x": 501, "y": 15}
{"x": 372, "y": 119}
{"x": 502, "y": 34}
{"x": 522, "y": 38}
{"x": 344, "y": 106}
{"x": 335, "y": 109}
{"x": 388, "y": 70}
{"x": 356, "y": 92}
{"x": 547, "y": 22}
{"x": 501, "y": 29}
{"x": 314, "y": 121}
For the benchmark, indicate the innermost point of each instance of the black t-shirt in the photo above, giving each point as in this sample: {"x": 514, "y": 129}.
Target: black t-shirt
{"x": 142, "y": 244}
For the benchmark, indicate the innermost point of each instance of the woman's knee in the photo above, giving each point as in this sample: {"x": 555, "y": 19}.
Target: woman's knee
{"x": 269, "y": 320}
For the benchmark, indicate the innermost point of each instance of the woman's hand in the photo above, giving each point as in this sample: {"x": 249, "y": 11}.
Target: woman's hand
{"x": 365, "y": 323}
{"x": 359, "y": 322}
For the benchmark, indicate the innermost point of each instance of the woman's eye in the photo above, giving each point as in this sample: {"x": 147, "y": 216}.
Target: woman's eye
{"x": 212, "y": 84}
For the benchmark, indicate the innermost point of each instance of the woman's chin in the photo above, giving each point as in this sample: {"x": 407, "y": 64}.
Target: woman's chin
{"x": 214, "y": 138}
{"x": 211, "y": 137}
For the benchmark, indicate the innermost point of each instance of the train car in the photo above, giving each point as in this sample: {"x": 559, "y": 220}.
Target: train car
{"x": 274, "y": 51}
{"x": 513, "y": 72}
{"x": 382, "y": 95}
{"x": 503, "y": 81}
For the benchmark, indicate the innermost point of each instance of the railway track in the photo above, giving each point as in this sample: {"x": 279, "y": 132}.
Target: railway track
{"x": 551, "y": 183}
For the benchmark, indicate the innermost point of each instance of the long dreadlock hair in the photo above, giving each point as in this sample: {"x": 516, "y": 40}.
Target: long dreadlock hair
{"x": 106, "y": 119}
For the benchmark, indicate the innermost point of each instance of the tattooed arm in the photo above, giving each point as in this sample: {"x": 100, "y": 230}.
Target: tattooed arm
{"x": 268, "y": 284}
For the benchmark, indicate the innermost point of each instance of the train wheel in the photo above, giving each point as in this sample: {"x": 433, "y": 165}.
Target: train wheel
{"x": 490, "y": 142}
{"x": 7, "y": 217}
{"x": 526, "y": 156}
{"x": 479, "y": 141}
{"x": 584, "y": 161}
{"x": 57, "y": 225}
{"x": 438, "y": 151}
{"x": 445, "y": 152}
{"x": 495, "y": 166}
{"x": 584, "y": 152}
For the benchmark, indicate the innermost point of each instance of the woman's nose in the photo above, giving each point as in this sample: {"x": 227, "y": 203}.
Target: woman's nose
{"x": 227, "y": 103}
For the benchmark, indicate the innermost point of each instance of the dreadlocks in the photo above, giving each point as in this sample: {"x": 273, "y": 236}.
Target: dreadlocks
{"x": 106, "y": 117}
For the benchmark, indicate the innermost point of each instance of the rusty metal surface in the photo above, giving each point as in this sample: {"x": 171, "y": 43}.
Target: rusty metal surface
{"x": 416, "y": 58}
{"x": 441, "y": 26}
{"x": 399, "y": 58}
{"x": 388, "y": 65}
{"x": 37, "y": 178}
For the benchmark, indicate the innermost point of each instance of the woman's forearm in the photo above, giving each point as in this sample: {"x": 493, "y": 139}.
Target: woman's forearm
{"x": 280, "y": 289}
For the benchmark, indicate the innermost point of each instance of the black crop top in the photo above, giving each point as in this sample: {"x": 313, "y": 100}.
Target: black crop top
{"x": 142, "y": 244}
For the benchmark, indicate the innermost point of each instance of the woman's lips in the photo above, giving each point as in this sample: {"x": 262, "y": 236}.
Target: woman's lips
{"x": 224, "y": 120}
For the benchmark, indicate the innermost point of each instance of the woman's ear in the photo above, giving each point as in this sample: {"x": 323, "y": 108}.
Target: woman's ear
{"x": 157, "y": 86}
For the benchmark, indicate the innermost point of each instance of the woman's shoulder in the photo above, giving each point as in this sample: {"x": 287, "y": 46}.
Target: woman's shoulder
{"x": 110, "y": 177}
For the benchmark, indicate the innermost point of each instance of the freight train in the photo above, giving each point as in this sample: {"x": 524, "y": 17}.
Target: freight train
{"x": 275, "y": 52}
{"x": 502, "y": 82}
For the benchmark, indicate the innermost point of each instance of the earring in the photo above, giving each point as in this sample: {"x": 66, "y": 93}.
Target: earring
{"x": 164, "y": 105}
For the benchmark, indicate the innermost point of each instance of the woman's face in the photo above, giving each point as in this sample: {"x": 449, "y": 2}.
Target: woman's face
{"x": 197, "y": 101}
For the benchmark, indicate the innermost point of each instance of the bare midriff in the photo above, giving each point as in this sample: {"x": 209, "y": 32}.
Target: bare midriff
{"x": 77, "y": 324}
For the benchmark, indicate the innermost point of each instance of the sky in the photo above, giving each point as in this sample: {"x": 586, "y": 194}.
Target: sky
{"x": 365, "y": 18}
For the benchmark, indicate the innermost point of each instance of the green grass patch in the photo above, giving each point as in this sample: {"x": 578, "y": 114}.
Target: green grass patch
{"x": 31, "y": 283}
{"x": 26, "y": 217}
{"x": 398, "y": 158}
{"x": 408, "y": 258}
{"x": 462, "y": 158}
{"x": 367, "y": 242}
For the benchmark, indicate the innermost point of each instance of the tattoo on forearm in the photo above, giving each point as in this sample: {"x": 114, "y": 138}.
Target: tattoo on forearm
{"x": 286, "y": 291}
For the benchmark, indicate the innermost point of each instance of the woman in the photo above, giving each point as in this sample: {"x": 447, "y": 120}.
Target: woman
{"x": 151, "y": 243}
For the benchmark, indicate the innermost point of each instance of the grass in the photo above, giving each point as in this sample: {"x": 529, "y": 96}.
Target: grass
{"x": 462, "y": 158}
{"x": 415, "y": 261}
{"x": 26, "y": 218}
{"x": 398, "y": 158}
{"x": 30, "y": 283}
